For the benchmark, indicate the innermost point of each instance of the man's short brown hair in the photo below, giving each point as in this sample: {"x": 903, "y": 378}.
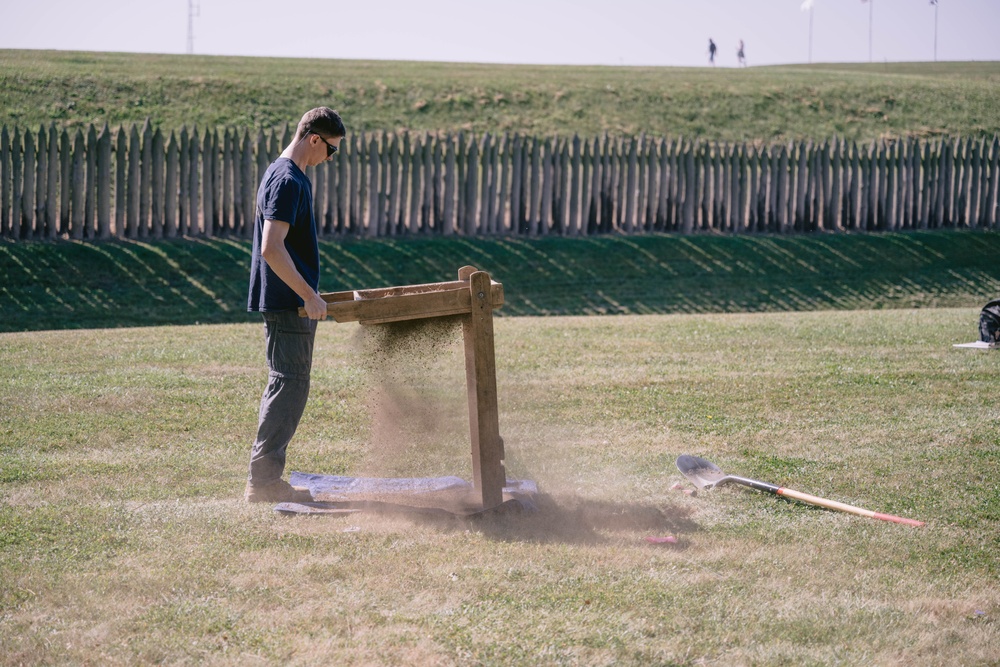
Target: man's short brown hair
{"x": 323, "y": 121}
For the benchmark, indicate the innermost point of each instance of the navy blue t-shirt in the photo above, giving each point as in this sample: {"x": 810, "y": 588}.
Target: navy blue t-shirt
{"x": 285, "y": 194}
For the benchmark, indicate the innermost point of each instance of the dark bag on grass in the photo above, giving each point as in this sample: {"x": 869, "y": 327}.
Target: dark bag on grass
{"x": 989, "y": 323}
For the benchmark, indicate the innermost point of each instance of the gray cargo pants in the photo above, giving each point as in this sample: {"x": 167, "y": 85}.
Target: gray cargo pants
{"x": 289, "y": 341}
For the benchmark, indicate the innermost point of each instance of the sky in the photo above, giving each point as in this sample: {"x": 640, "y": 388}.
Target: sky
{"x": 559, "y": 32}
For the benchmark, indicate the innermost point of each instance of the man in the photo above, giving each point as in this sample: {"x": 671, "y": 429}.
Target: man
{"x": 284, "y": 275}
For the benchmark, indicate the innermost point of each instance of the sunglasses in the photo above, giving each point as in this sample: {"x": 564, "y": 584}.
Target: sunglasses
{"x": 330, "y": 148}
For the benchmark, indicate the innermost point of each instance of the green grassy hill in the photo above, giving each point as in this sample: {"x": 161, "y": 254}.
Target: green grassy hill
{"x": 95, "y": 285}
{"x": 860, "y": 102}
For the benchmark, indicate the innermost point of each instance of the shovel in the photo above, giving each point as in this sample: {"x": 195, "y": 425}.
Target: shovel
{"x": 705, "y": 474}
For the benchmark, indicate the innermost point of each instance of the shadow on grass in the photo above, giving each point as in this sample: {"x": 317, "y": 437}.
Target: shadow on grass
{"x": 553, "y": 519}
{"x": 69, "y": 284}
{"x": 575, "y": 520}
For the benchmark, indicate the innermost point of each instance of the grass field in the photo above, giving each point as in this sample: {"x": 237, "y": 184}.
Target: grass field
{"x": 860, "y": 102}
{"x": 103, "y": 285}
{"x": 130, "y": 378}
{"x": 124, "y": 540}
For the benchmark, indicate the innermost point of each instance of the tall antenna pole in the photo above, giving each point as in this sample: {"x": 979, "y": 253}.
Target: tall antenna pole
{"x": 193, "y": 10}
{"x": 807, "y": 5}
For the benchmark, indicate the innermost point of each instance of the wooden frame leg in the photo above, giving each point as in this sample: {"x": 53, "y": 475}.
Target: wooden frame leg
{"x": 480, "y": 371}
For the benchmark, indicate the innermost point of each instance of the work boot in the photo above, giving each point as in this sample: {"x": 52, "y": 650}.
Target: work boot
{"x": 278, "y": 491}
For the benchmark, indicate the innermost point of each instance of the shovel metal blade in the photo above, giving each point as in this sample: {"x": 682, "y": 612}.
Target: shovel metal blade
{"x": 702, "y": 473}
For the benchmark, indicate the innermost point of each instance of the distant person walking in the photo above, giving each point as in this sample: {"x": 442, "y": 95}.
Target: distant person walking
{"x": 740, "y": 56}
{"x": 711, "y": 51}
{"x": 284, "y": 276}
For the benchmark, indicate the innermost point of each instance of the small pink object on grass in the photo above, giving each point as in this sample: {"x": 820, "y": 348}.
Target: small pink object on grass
{"x": 668, "y": 539}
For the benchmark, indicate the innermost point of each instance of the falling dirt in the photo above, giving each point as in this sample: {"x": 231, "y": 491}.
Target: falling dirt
{"x": 416, "y": 398}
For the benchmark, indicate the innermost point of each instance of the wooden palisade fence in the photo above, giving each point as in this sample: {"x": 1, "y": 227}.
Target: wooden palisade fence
{"x": 136, "y": 182}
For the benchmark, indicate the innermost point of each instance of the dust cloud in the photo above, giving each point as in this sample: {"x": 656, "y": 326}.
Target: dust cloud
{"x": 417, "y": 402}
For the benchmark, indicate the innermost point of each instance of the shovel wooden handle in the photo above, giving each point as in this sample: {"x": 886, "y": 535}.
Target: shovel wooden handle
{"x": 843, "y": 507}
{"x": 707, "y": 475}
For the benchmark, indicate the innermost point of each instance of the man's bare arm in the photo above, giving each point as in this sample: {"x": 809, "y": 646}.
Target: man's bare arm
{"x": 272, "y": 249}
